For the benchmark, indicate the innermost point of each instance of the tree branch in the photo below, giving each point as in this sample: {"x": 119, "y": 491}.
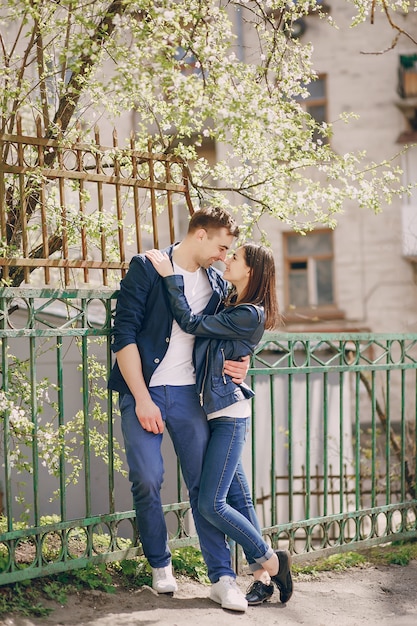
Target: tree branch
{"x": 75, "y": 87}
{"x": 393, "y": 25}
{"x": 411, "y": 486}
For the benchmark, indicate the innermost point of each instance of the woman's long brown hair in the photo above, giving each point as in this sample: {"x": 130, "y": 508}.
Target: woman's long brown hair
{"x": 261, "y": 288}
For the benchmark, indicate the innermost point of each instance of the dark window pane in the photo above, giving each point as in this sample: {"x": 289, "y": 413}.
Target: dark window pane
{"x": 324, "y": 277}
{"x": 318, "y": 112}
{"x": 316, "y": 89}
{"x": 298, "y": 265}
{"x": 298, "y": 289}
{"x": 309, "y": 245}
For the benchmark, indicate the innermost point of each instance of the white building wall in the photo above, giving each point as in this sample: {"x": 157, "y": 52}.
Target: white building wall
{"x": 380, "y": 291}
{"x": 374, "y": 283}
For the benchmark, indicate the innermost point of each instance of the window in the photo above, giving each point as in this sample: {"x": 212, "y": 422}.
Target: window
{"x": 316, "y": 104}
{"x": 309, "y": 270}
{"x": 188, "y": 62}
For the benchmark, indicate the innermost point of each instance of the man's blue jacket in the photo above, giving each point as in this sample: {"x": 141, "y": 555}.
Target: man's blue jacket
{"x": 143, "y": 315}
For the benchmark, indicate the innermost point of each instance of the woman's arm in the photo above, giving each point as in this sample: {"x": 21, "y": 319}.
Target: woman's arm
{"x": 239, "y": 322}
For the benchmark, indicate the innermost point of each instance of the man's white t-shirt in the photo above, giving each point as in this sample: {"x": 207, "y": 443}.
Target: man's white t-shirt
{"x": 176, "y": 368}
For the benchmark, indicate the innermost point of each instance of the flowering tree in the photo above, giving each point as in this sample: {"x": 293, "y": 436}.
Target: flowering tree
{"x": 177, "y": 65}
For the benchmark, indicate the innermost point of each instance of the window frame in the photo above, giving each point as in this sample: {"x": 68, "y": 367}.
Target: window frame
{"x": 311, "y": 310}
{"x": 315, "y": 101}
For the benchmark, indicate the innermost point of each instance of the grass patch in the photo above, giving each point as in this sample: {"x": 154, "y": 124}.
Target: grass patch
{"x": 33, "y": 597}
{"x": 335, "y": 562}
{"x": 397, "y": 553}
{"x": 189, "y": 562}
{"x": 22, "y": 599}
{"x": 30, "y": 597}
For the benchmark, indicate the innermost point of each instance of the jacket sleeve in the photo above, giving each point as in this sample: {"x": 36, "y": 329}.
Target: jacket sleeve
{"x": 131, "y": 303}
{"x": 237, "y": 322}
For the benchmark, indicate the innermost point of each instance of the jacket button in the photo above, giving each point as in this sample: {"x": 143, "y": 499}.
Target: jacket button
{"x": 156, "y": 360}
{"x": 167, "y": 339}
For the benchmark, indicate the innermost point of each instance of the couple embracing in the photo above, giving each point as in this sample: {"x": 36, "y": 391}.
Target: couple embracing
{"x": 182, "y": 338}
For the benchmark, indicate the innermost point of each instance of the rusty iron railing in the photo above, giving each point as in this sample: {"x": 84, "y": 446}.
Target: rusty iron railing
{"x": 78, "y": 211}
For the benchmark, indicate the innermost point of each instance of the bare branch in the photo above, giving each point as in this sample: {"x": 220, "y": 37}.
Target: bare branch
{"x": 41, "y": 71}
{"x": 76, "y": 85}
{"x": 393, "y": 25}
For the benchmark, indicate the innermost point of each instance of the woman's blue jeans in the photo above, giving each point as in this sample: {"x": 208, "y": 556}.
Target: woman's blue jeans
{"x": 225, "y": 498}
{"x": 187, "y": 425}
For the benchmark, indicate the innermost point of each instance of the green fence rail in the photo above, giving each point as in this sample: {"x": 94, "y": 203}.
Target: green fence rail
{"x": 331, "y": 454}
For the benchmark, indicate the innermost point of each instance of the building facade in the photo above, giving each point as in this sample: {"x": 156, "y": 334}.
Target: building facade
{"x": 362, "y": 275}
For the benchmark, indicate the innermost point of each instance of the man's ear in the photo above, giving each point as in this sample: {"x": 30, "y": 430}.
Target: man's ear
{"x": 201, "y": 234}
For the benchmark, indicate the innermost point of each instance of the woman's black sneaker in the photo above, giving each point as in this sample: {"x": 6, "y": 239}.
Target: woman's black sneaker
{"x": 258, "y": 592}
{"x": 283, "y": 579}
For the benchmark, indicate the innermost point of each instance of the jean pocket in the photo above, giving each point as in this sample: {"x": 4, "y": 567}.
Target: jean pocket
{"x": 124, "y": 400}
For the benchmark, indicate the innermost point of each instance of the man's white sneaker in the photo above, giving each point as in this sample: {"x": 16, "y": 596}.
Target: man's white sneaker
{"x": 227, "y": 593}
{"x": 163, "y": 580}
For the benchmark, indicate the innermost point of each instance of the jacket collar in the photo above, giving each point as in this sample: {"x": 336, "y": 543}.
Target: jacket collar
{"x": 214, "y": 276}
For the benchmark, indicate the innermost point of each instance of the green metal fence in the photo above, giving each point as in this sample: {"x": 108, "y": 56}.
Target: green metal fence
{"x": 331, "y": 455}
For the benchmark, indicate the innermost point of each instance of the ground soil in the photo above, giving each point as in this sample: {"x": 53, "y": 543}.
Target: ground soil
{"x": 371, "y": 595}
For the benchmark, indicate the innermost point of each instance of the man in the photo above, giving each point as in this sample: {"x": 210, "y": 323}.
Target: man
{"x": 154, "y": 375}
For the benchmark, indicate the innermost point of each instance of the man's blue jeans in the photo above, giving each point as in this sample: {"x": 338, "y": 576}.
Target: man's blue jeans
{"x": 187, "y": 425}
{"x": 225, "y": 498}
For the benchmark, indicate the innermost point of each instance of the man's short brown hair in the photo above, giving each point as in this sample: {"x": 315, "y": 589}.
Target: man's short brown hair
{"x": 213, "y": 218}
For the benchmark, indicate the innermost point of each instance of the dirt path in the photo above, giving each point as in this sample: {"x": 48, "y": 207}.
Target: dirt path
{"x": 375, "y": 596}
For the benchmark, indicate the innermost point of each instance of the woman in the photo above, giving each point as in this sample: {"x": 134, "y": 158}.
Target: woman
{"x": 231, "y": 333}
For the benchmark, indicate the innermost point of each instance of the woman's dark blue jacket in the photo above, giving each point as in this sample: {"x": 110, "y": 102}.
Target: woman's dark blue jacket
{"x": 233, "y": 332}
